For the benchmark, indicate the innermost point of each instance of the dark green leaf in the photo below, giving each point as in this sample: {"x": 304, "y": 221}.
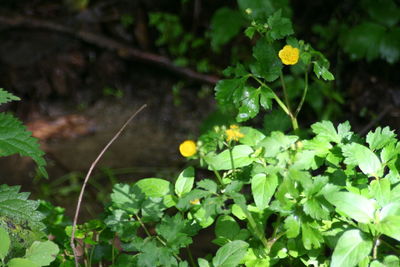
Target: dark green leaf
{"x": 268, "y": 64}
{"x": 386, "y": 12}
{"x": 280, "y": 27}
{"x": 227, "y": 227}
{"x": 250, "y": 104}
{"x": 390, "y": 46}
{"x": 230, "y": 254}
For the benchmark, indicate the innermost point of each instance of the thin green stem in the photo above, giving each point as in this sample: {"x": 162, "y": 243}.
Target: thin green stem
{"x": 285, "y": 95}
{"x": 277, "y": 99}
{"x": 191, "y": 259}
{"x": 275, "y": 235}
{"x": 255, "y": 227}
{"x": 375, "y": 250}
{"x": 303, "y": 97}
{"x": 232, "y": 163}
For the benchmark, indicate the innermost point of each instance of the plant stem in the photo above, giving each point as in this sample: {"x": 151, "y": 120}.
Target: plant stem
{"x": 191, "y": 259}
{"x": 303, "y": 97}
{"x": 232, "y": 163}
{"x": 277, "y": 99}
{"x": 375, "y": 250}
{"x": 285, "y": 95}
{"x": 254, "y": 225}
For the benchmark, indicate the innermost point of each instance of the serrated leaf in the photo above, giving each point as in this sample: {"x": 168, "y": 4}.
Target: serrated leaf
{"x": 127, "y": 197}
{"x": 208, "y": 185}
{"x": 326, "y": 130}
{"x": 280, "y": 27}
{"x": 154, "y": 187}
{"x": 251, "y": 136}
{"x": 310, "y": 236}
{"x": 185, "y": 181}
{"x": 175, "y": 231}
{"x": 266, "y": 97}
{"x": 230, "y": 254}
{"x": 6, "y": 97}
{"x": 229, "y": 91}
{"x": 42, "y": 253}
{"x": 268, "y": 64}
{"x": 363, "y": 41}
{"x": 4, "y": 243}
{"x": 15, "y": 139}
{"x": 276, "y": 143}
{"x": 363, "y": 157}
{"x": 225, "y": 24}
{"x": 380, "y": 138}
{"x": 263, "y": 188}
{"x": 249, "y": 104}
{"x": 352, "y": 247}
{"x": 322, "y": 71}
{"x": 240, "y": 155}
{"x": 353, "y": 205}
{"x": 380, "y": 190}
{"x": 315, "y": 209}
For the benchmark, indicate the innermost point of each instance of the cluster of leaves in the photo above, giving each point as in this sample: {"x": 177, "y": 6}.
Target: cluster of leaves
{"x": 375, "y": 34}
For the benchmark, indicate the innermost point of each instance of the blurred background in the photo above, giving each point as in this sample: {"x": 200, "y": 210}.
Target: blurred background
{"x": 82, "y": 67}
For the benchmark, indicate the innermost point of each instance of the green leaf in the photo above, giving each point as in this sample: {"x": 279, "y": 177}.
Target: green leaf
{"x": 389, "y": 220}
{"x": 127, "y": 197}
{"x": 251, "y": 136}
{"x": 276, "y": 143}
{"x": 20, "y": 262}
{"x": 15, "y": 139}
{"x": 225, "y": 24}
{"x": 316, "y": 209}
{"x": 175, "y": 230}
{"x": 383, "y": 11}
{"x": 203, "y": 262}
{"x": 229, "y": 91}
{"x": 391, "y": 261}
{"x": 222, "y": 161}
{"x": 250, "y": 104}
{"x": 263, "y": 188}
{"x": 154, "y": 187}
{"x": 230, "y": 254}
{"x": 363, "y": 157}
{"x": 363, "y": 41}
{"x": 266, "y": 97}
{"x": 310, "y": 236}
{"x": 185, "y": 181}
{"x": 280, "y": 27}
{"x": 227, "y": 227}
{"x": 268, "y": 64}
{"x": 6, "y": 97}
{"x": 42, "y": 253}
{"x": 380, "y": 190}
{"x": 326, "y": 130}
{"x": 322, "y": 71}
{"x": 352, "y": 247}
{"x": 380, "y": 138}
{"x": 4, "y": 243}
{"x": 354, "y": 206}
{"x": 208, "y": 185}
{"x": 390, "y": 46}
{"x": 292, "y": 226}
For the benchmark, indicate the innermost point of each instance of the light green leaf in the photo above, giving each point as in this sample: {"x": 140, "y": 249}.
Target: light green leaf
{"x": 251, "y": 136}
{"x": 292, "y": 226}
{"x": 6, "y": 97}
{"x": 42, "y": 253}
{"x": 322, "y": 71}
{"x": 263, "y": 188}
{"x": 363, "y": 157}
{"x": 380, "y": 190}
{"x": 353, "y": 205}
{"x": 310, "y": 236}
{"x": 389, "y": 220}
{"x": 4, "y": 243}
{"x": 222, "y": 161}
{"x": 20, "y": 262}
{"x": 230, "y": 254}
{"x": 185, "y": 181}
{"x": 326, "y": 130}
{"x": 276, "y": 143}
{"x": 203, "y": 262}
{"x": 352, "y": 247}
{"x": 391, "y": 261}
{"x": 154, "y": 187}
{"x": 380, "y": 138}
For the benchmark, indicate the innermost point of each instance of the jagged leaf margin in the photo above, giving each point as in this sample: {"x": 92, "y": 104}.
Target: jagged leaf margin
{"x": 15, "y": 139}
{"x": 6, "y": 97}
{"x": 16, "y": 206}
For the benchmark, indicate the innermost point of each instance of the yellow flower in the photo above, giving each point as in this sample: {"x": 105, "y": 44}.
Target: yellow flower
{"x": 195, "y": 201}
{"x": 233, "y": 133}
{"x": 289, "y": 55}
{"x": 188, "y": 148}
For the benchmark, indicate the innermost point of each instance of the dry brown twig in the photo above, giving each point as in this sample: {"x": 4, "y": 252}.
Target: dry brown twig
{"x": 78, "y": 206}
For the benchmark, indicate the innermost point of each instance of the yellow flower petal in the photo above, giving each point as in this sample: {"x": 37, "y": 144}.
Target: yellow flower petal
{"x": 289, "y": 55}
{"x": 188, "y": 148}
{"x": 233, "y": 133}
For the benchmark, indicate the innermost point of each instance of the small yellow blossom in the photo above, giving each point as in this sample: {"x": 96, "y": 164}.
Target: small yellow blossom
{"x": 195, "y": 201}
{"x": 233, "y": 133}
{"x": 289, "y": 55}
{"x": 188, "y": 148}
